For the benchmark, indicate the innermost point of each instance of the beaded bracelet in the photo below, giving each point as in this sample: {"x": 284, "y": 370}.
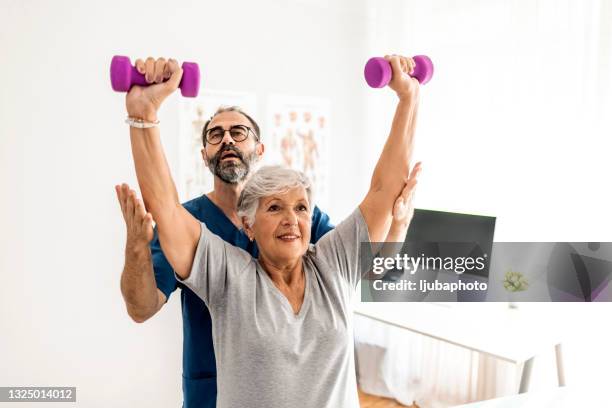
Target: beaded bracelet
{"x": 141, "y": 123}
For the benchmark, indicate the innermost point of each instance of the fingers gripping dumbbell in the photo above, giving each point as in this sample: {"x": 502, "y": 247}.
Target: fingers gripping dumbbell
{"x": 124, "y": 75}
{"x": 378, "y": 71}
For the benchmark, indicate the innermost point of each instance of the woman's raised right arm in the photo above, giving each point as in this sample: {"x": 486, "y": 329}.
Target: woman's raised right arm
{"x": 178, "y": 230}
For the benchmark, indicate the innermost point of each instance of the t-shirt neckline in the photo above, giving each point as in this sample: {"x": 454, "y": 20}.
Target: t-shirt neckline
{"x": 276, "y": 291}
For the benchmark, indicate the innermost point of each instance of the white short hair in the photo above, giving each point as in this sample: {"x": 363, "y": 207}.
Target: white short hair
{"x": 267, "y": 181}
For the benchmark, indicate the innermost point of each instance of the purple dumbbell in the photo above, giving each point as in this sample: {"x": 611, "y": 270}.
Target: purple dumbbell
{"x": 378, "y": 71}
{"x": 124, "y": 75}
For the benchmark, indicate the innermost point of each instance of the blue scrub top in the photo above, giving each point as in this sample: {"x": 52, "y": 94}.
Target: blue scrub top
{"x": 199, "y": 369}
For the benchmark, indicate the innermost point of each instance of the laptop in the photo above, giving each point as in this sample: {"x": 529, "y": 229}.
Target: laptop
{"x": 442, "y": 235}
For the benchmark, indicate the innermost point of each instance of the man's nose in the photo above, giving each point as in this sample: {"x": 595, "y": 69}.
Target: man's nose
{"x": 227, "y": 137}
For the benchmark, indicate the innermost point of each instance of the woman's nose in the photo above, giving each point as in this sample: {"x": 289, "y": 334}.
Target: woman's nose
{"x": 290, "y": 218}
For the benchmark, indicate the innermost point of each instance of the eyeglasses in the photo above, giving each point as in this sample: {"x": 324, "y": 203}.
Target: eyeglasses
{"x": 238, "y": 133}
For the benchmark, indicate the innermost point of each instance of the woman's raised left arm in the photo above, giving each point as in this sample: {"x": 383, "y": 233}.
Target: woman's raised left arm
{"x": 394, "y": 162}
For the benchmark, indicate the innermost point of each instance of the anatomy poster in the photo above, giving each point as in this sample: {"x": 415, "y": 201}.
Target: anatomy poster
{"x": 298, "y": 132}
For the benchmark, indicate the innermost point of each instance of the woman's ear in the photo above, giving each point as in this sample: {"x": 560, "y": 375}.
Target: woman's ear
{"x": 247, "y": 228}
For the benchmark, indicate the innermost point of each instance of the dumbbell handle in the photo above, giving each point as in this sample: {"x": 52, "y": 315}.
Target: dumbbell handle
{"x": 124, "y": 75}
{"x": 378, "y": 71}
{"x": 137, "y": 78}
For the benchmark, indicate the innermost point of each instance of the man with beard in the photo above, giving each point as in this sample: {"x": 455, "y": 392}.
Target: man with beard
{"x": 231, "y": 146}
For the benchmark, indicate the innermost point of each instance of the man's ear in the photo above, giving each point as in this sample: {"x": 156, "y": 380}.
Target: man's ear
{"x": 203, "y": 152}
{"x": 247, "y": 229}
{"x": 259, "y": 149}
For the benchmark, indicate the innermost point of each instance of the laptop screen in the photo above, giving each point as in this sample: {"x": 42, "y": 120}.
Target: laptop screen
{"x": 447, "y": 234}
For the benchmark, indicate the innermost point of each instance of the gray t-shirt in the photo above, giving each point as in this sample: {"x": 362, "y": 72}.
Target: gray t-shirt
{"x": 267, "y": 356}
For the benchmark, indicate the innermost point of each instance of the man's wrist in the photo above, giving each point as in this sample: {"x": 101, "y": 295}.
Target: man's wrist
{"x": 137, "y": 250}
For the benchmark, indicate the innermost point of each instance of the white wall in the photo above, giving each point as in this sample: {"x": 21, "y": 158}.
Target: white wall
{"x": 64, "y": 146}
{"x": 516, "y": 122}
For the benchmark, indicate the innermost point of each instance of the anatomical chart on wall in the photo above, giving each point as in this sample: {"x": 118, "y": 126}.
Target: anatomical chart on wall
{"x": 298, "y": 136}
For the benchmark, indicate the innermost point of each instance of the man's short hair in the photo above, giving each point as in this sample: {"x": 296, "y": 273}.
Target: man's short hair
{"x": 222, "y": 109}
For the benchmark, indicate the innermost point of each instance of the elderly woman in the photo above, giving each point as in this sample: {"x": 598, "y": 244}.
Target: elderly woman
{"x": 282, "y": 324}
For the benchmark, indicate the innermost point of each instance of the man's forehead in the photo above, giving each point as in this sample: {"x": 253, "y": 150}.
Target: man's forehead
{"x": 229, "y": 119}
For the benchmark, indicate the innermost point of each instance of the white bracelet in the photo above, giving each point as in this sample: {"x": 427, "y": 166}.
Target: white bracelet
{"x": 140, "y": 123}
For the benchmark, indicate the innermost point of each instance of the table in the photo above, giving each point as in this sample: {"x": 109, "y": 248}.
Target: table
{"x": 513, "y": 335}
{"x": 566, "y": 397}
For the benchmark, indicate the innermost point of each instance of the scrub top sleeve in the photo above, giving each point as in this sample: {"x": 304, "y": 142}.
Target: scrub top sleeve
{"x": 321, "y": 225}
{"x": 164, "y": 274}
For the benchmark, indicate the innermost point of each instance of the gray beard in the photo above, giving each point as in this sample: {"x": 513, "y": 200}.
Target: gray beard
{"x": 231, "y": 172}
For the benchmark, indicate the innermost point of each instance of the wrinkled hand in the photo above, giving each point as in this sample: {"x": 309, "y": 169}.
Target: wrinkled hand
{"x": 401, "y": 82}
{"x": 144, "y": 102}
{"x": 403, "y": 209}
{"x": 138, "y": 222}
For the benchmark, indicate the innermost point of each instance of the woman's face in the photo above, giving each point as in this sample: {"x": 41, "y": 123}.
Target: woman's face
{"x": 282, "y": 226}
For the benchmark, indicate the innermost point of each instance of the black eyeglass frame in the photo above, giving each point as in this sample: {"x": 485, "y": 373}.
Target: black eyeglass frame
{"x": 248, "y": 130}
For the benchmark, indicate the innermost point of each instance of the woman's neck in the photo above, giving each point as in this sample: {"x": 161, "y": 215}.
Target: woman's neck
{"x": 286, "y": 273}
{"x": 289, "y": 279}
